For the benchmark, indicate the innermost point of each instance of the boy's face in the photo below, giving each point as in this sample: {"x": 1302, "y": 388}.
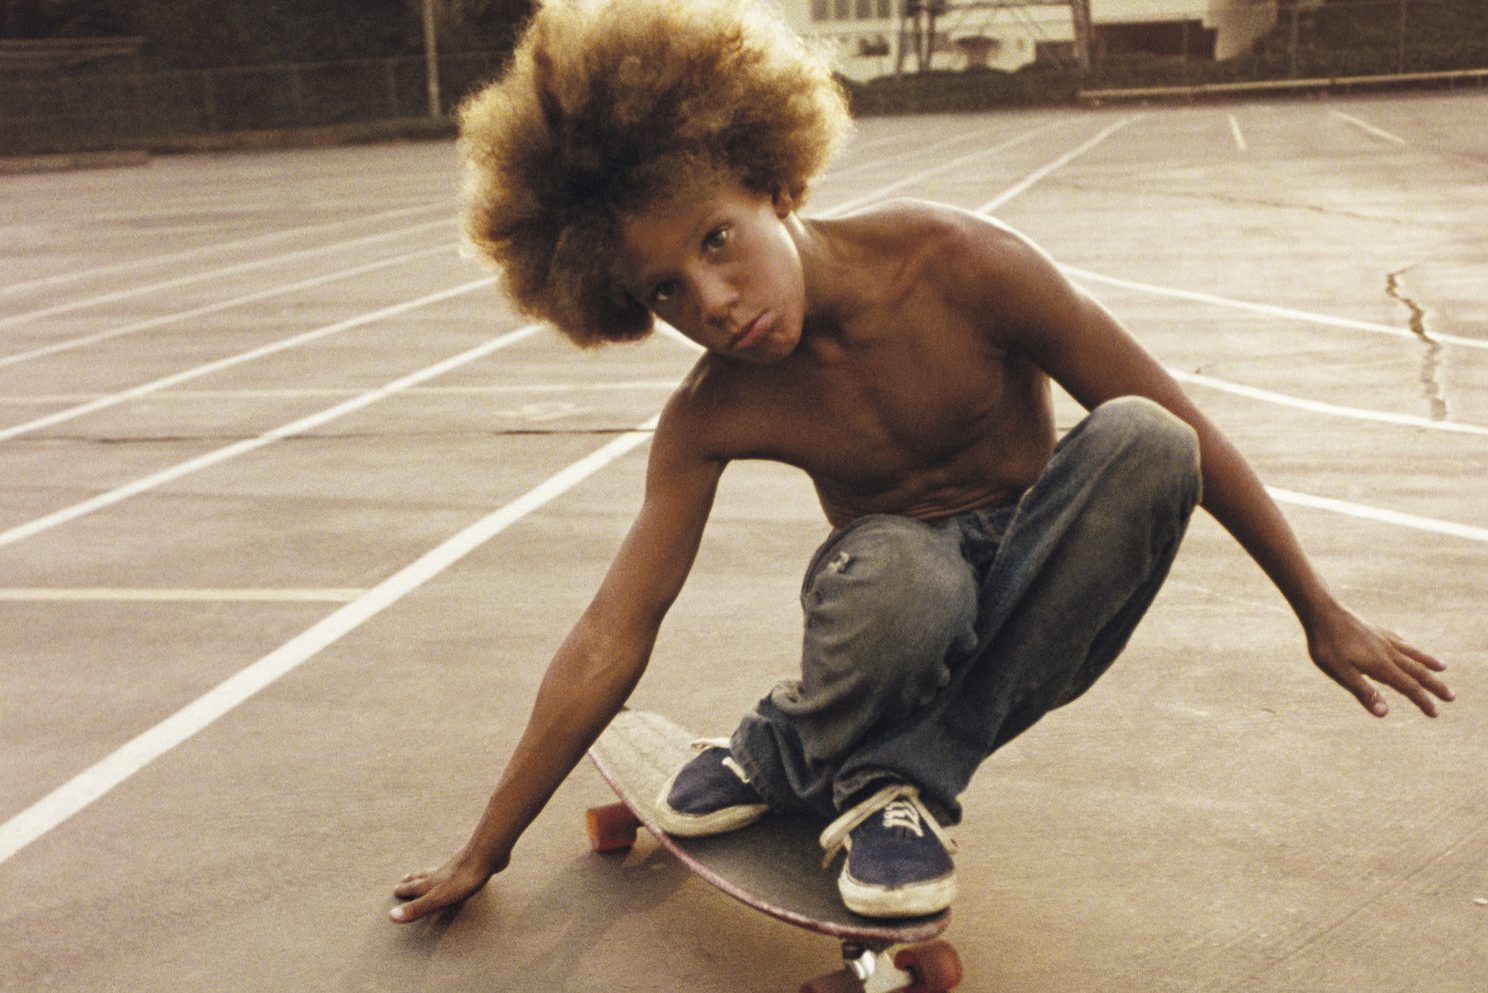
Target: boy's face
{"x": 723, "y": 269}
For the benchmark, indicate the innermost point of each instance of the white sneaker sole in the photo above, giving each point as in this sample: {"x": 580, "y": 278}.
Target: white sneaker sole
{"x": 681, "y": 825}
{"x": 919, "y": 900}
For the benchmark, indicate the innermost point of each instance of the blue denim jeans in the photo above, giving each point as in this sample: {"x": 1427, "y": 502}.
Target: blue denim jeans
{"x": 929, "y": 645}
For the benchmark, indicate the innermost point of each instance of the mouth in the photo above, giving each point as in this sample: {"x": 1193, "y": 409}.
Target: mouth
{"x": 752, "y": 333}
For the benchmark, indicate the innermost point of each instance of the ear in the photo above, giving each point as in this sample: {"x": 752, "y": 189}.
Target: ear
{"x": 784, "y": 203}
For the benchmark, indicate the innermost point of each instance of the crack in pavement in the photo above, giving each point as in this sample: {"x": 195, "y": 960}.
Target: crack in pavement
{"x": 1431, "y": 387}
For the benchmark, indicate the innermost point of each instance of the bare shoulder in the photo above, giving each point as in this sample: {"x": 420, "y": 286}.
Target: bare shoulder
{"x": 981, "y": 267}
{"x": 939, "y": 225}
{"x": 956, "y": 246}
{"x": 693, "y": 423}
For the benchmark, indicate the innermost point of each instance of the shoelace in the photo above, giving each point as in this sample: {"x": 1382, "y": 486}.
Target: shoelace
{"x": 703, "y": 744}
{"x": 900, "y": 803}
{"x": 902, "y": 814}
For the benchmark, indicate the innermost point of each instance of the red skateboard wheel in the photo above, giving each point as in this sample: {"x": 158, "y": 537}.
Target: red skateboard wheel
{"x": 612, "y": 828}
{"x": 934, "y": 964}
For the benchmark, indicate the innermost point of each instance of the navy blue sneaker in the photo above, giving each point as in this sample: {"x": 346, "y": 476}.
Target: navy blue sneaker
{"x": 709, "y": 795}
{"x": 898, "y": 858}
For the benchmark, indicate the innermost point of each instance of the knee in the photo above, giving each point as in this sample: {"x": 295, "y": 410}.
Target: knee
{"x": 1157, "y": 451}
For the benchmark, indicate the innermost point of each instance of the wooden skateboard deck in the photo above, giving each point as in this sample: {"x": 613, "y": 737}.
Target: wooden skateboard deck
{"x": 773, "y": 866}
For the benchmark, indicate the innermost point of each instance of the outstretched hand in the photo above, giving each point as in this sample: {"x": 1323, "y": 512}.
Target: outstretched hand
{"x": 1361, "y": 657}
{"x": 435, "y": 889}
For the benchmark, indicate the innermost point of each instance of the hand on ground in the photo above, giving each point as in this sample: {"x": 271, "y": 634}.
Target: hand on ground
{"x": 436, "y": 889}
{"x": 1361, "y": 657}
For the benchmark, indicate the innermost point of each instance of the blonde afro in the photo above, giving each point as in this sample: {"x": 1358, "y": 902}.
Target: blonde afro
{"x": 615, "y": 107}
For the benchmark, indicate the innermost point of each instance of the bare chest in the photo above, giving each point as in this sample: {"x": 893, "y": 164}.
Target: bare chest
{"x": 919, "y": 426}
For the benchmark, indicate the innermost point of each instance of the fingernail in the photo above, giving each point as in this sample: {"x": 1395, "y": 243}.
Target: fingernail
{"x": 396, "y": 913}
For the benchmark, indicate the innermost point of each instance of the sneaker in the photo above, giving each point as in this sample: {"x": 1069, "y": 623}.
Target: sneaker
{"x": 709, "y": 795}
{"x": 898, "y": 857}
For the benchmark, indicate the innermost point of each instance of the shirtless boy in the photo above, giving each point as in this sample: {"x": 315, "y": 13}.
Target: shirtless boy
{"x": 648, "y": 158}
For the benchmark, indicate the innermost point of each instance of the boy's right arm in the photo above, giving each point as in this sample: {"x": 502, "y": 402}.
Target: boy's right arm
{"x": 592, "y": 673}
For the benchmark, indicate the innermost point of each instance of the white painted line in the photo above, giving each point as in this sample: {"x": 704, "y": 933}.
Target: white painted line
{"x": 1271, "y": 310}
{"x": 910, "y": 180}
{"x": 188, "y": 375}
{"x": 879, "y": 163}
{"x": 79, "y": 792}
{"x": 1380, "y": 515}
{"x": 199, "y": 277}
{"x": 1330, "y": 409}
{"x": 1042, "y": 173}
{"x": 1238, "y": 135}
{"x": 76, "y": 794}
{"x": 108, "y": 594}
{"x": 1366, "y": 126}
{"x": 213, "y": 308}
{"x": 196, "y": 253}
{"x": 120, "y": 494}
{"x": 313, "y": 393}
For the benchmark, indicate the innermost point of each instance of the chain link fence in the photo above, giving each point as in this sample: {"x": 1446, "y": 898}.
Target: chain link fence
{"x": 1340, "y": 42}
{"x": 1343, "y": 40}
{"x": 86, "y": 111}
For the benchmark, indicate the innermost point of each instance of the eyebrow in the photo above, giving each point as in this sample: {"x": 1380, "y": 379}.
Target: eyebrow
{"x": 646, "y": 282}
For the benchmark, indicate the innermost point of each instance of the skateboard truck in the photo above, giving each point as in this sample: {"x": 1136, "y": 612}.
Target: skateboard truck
{"x": 930, "y": 967}
{"x": 861, "y": 961}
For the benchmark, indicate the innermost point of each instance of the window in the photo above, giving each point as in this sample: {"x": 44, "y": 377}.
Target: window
{"x": 820, "y": 10}
{"x": 842, "y": 9}
{"x": 864, "y": 10}
{"x": 885, "y": 9}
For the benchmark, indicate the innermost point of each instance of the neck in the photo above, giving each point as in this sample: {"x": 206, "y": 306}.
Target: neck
{"x": 833, "y": 272}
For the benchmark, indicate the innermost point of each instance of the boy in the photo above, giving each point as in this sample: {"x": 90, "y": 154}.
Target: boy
{"x": 648, "y": 157}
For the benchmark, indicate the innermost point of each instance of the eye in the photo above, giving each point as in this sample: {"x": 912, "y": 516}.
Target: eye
{"x": 664, "y": 292}
{"x": 716, "y": 239}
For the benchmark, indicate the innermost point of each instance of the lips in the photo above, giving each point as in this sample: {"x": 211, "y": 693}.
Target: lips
{"x": 753, "y": 333}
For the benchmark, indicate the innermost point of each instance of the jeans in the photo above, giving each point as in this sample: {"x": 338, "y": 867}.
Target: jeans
{"x": 929, "y": 645}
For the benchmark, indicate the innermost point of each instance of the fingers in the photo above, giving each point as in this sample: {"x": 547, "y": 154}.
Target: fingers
{"x": 429, "y": 891}
{"x": 406, "y": 913}
{"x": 1410, "y": 673}
{"x": 1416, "y": 676}
{"x": 1411, "y": 652}
{"x": 424, "y": 895}
{"x": 415, "y": 884}
{"x": 1366, "y": 693}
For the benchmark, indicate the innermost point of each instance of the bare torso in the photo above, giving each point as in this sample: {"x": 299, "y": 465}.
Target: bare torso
{"x": 908, "y": 406}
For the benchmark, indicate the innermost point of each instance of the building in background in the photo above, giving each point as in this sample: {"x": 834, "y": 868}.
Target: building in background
{"x": 880, "y": 37}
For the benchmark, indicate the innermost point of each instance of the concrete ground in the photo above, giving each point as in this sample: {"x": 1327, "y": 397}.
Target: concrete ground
{"x": 295, "y": 510}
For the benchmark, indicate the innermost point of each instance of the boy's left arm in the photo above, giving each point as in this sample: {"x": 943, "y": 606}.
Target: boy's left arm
{"x": 1088, "y": 352}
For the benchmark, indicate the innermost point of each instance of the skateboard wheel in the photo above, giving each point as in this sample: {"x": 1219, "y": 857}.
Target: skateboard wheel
{"x": 935, "y": 966}
{"x": 612, "y": 828}
{"x": 840, "y": 981}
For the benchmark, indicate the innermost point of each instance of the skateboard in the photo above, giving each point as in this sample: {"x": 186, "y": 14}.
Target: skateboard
{"x": 773, "y": 866}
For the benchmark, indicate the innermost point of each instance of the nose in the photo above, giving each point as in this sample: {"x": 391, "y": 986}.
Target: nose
{"x": 716, "y": 297}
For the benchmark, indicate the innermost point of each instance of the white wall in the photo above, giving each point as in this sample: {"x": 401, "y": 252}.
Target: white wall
{"x": 1016, "y": 31}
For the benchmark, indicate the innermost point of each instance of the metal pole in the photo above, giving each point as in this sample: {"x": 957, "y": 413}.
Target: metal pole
{"x": 903, "y": 38}
{"x": 1400, "y": 54}
{"x": 431, "y": 59}
{"x": 1080, "y": 15}
{"x": 1292, "y": 43}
